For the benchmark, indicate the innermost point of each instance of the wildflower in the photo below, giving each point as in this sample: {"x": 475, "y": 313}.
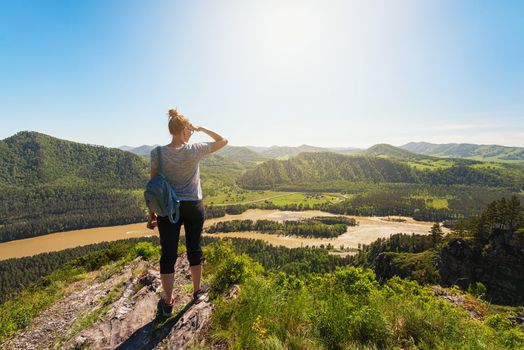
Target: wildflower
{"x": 258, "y": 327}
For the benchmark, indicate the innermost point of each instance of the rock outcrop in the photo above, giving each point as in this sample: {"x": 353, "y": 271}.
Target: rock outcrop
{"x": 499, "y": 265}
{"x": 119, "y": 311}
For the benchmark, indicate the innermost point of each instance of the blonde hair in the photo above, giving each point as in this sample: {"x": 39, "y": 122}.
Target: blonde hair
{"x": 177, "y": 122}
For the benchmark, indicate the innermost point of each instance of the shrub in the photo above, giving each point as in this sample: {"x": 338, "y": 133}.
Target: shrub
{"x": 348, "y": 309}
{"x": 477, "y": 289}
{"x": 233, "y": 270}
{"x": 498, "y": 322}
{"x": 146, "y": 250}
{"x": 226, "y": 267}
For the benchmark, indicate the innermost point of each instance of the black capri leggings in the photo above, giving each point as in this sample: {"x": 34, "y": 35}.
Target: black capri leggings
{"x": 192, "y": 215}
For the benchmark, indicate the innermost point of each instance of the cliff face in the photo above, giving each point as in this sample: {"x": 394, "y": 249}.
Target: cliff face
{"x": 109, "y": 310}
{"x": 499, "y": 265}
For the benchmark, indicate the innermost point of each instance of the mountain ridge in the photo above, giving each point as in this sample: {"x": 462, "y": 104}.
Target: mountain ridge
{"x": 467, "y": 150}
{"x": 418, "y": 150}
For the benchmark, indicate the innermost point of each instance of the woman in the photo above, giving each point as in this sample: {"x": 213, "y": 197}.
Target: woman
{"x": 180, "y": 164}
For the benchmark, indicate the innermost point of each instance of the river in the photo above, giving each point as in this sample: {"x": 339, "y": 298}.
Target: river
{"x": 368, "y": 230}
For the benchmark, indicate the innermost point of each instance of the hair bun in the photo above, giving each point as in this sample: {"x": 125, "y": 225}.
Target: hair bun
{"x": 173, "y": 113}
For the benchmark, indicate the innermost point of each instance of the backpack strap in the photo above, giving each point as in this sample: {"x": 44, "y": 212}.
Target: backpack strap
{"x": 159, "y": 157}
{"x": 176, "y": 214}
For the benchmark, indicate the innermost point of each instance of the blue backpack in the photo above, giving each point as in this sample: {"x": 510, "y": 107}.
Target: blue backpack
{"x": 160, "y": 195}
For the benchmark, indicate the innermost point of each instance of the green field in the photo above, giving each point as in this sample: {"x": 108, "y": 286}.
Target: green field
{"x": 433, "y": 201}
{"x": 428, "y": 164}
{"x": 307, "y": 198}
{"x": 229, "y": 195}
{"x": 496, "y": 159}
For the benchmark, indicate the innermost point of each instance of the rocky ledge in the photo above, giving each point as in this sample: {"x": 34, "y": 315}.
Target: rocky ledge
{"x": 119, "y": 310}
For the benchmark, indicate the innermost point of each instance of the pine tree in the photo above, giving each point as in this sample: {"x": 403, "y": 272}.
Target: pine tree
{"x": 436, "y": 233}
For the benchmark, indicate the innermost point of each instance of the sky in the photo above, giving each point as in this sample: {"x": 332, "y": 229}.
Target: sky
{"x": 332, "y": 73}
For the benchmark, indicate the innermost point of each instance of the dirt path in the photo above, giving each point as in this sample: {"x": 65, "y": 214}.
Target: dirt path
{"x": 255, "y": 200}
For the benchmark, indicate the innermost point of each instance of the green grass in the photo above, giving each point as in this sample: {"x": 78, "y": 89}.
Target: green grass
{"x": 428, "y": 164}
{"x": 433, "y": 201}
{"x": 18, "y": 312}
{"x": 489, "y": 165}
{"x": 437, "y": 203}
{"x": 229, "y": 195}
{"x": 348, "y": 309}
{"x": 305, "y": 198}
{"x": 496, "y": 159}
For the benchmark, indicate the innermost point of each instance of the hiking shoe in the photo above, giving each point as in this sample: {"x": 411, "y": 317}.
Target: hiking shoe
{"x": 200, "y": 294}
{"x": 165, "y": 308}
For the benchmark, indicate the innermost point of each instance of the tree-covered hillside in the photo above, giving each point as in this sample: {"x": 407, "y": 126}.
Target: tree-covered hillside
{"x": 389, "y": 151}
{"x": 315, "y": 168}
{"x": 34, "y": 158}
{"x": 49, "y": 185}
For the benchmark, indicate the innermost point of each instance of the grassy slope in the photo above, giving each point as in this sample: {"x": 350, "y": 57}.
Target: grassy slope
{"x": 347, "y": 309}
{"x": 344, "y": 309}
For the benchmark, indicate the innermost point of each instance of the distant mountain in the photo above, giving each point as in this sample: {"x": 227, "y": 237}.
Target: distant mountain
{"x": 233, "y": 152}
{"x": 126, "y": 148}
{"x": 389, "y": 151}
{"x": 467, "y": 150}
{"x": 241, "y": 153}
{"x": 143, "y": 150}
{"x": 347, "y": 150}
{"x": 256, "y": 153}
{"x": 326, "y": 168}
{"x": 286, "y": 151}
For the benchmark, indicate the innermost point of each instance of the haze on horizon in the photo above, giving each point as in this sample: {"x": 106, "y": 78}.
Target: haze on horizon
{"x": 324, "y": 73}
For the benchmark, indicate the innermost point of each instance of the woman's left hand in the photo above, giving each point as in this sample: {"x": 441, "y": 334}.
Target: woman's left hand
{"x": 194, "y": 127}
{"x": 151, "y": 221}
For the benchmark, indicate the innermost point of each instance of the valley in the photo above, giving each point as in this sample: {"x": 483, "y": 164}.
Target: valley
{"x": 368, "y": 230}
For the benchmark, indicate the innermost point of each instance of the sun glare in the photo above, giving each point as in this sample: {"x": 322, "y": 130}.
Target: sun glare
{"x": 286, "y": 33}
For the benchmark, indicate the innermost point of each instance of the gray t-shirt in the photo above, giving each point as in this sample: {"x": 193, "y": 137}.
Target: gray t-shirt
{"x": 181, "y": 167}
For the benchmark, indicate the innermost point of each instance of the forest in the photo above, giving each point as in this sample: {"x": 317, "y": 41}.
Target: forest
{"x": 321, "y": 227}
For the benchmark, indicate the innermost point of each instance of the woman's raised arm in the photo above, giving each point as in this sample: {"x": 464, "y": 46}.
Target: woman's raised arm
{"x": 220, "y": 141}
